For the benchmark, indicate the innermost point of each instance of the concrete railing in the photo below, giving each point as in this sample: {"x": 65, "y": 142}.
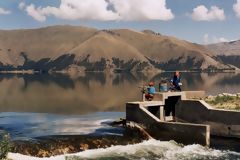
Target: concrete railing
{"x": 161, "y": 96}
{"x": 223, "y": 122}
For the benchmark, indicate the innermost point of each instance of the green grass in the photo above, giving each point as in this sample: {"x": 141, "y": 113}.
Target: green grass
{"x": 5, "y": 145}
{"x": 221, "y": 99}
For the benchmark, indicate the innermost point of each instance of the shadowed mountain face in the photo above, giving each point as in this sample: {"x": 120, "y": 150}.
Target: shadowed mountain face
{"x": 227, "y": 52}
{"x": 68, "y": 48}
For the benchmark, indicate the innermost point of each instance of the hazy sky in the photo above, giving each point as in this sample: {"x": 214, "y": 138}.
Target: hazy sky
{"x": 200, "y": 21}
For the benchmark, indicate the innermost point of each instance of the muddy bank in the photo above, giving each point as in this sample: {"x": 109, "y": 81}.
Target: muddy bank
{"x": 57, "y": 145}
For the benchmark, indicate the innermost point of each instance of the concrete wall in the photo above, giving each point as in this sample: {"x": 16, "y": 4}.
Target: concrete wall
{"x": 180, "y": 132}
{"x": 195, "y": 94}
{"x": 223, "y": 122}
{"x": 161, "y": 96}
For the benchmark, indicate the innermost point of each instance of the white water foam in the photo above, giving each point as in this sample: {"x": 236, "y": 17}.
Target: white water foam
{"x": 151, "y": 149}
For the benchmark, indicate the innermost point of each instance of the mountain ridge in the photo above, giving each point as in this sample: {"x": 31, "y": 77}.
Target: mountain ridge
{"x": 58, "y": 48}
{"x": 226, "y": 52}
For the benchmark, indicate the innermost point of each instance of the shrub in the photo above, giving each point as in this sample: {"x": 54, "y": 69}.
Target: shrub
{"x": 5, "y": 145}
{"x": 222, "y": 99}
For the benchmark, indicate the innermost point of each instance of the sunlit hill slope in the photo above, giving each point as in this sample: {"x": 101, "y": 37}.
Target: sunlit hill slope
{"x": 69, "y": 48}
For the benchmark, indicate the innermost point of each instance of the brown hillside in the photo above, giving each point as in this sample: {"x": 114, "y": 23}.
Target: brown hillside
{"x": 225, "y": 48}
{"x": 227, "y": 52}
{"x": 103, "y": 45}
{"x": 164, "y": 48}
{"x": 50, "y": 46}
{"x": 44, "y": 42}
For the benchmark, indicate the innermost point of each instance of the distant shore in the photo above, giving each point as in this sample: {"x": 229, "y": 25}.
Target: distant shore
{"x": 20, "y": 72}
{"x": 30, "y": 71}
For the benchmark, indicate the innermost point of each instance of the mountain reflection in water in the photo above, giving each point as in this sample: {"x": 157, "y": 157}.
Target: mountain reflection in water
{"x": 94, "y": 92}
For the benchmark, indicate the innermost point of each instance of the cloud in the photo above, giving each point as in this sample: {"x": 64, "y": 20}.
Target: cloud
{"x": 201, "y": 13}
{"x": 36, "y": 13}
{"x": 103, "y": 10}
{"x": 141, "y": 10}
{"x": 220, "y": 39}
{"x": 32, "y": 11}
{"x": 213, "y": 39}
{"x": 4, "y": 11}
{"x": 21, "y": 5}
{"x": 206, "y": 38}
{"x": 236, "y": 8}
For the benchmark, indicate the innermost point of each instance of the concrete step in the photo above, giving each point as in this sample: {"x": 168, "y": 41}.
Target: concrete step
{"x": 169, "y": 118}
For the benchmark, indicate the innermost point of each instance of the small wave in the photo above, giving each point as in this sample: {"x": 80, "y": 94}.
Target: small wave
{"x": 151, "y": 149}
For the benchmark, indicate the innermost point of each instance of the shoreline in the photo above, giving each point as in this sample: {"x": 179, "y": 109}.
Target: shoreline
{"x": 124, "y": 72}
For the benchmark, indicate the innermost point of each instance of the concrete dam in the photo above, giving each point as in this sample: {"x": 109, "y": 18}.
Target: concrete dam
{"x": 183, "y": 117}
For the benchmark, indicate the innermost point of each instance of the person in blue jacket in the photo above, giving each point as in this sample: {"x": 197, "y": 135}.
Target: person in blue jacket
{"x": 176, "y": 82}
{"x": 150, "y": 91}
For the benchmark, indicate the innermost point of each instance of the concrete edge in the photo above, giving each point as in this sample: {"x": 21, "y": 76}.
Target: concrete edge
{"x": 157, "y": 120}
{"x": 209, "y": 107}
{"x": 149, "y": 113}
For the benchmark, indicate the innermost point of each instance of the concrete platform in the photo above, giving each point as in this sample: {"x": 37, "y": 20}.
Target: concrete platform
{"x": 185, "y": 133}
{"x": 183, "y": 117}
{"x": 162, "y": 96}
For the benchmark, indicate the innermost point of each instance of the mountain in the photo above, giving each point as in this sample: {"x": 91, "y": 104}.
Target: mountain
{"x": 227, "y": 52}
{"x": 71, "y": 48}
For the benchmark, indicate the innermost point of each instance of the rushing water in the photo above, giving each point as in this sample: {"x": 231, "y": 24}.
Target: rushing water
{"x": 147, "y": 150}
{"x": 41, "y": 105}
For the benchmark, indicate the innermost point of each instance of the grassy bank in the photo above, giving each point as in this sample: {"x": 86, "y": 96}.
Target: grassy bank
{"x": 225, "y": 101}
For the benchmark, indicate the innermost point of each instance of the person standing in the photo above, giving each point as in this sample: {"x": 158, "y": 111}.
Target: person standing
{"x": 176, "y": 82}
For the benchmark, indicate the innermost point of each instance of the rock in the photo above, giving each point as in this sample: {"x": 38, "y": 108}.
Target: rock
{"x": 221, "y": 95}
{"x": 84, "y": 146}
{"x": 210, "y": 98}
{"x": 65, "y": 150}
{"x": 26, "y": 152}
{"x": 43, "y": 153}
{"x": 229, "y": 94}
{"x": 71, "y": 148}
{"x": 225, "y": 94}
{"x": 56, "y": 152}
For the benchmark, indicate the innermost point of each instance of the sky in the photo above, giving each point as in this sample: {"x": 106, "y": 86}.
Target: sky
{"x": 198, "y": 21}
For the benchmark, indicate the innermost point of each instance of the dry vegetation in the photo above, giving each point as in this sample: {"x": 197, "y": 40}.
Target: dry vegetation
{"x": 225, "y": 101}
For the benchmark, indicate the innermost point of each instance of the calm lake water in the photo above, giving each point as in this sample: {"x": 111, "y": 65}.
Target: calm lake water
{"x": 95, "y": 92}
{"x": 42, "y": 105}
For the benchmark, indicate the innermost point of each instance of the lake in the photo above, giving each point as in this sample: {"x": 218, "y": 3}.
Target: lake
{"x": 56, "y": 104}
